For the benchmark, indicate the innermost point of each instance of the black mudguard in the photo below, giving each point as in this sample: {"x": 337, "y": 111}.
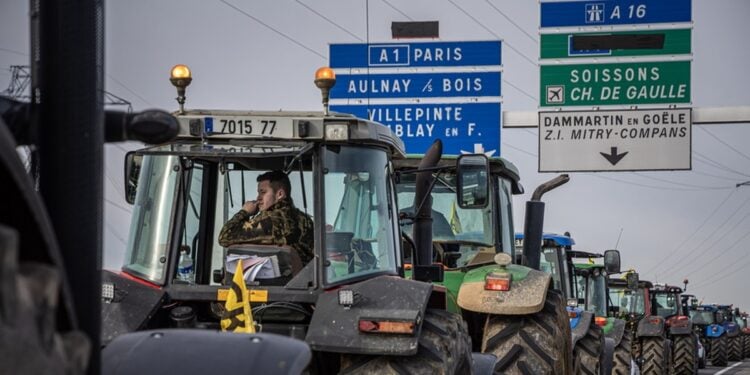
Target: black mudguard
{"x": 131, "y": 310}
{"x": 646, "y": 328}
{"x": 586, "y": 320}
{"x": 200, "y": 351}
{"x": 684, "y": 330}
{"x": 608, "y": 354}
{"x": 618, "y": 330}
{"x": 334, "y": 328}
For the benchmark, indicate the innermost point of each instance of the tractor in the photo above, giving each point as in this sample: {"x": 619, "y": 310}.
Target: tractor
{"x": 666, "y": 302}
{"x": 512, "y": 310}
{"x": 595, "y": 338}
{"x": 350, "y": 301}
{"x": 741, "y": 319}
{"x": 734, "y": 334}
{"x": 593, "y": 295}
{"x": 631, "y": 300}
{"x": 690, "y": 302}
{"x": 707, "y": 319}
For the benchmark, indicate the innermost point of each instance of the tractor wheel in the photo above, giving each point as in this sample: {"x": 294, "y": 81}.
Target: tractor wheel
{"x": 746, "y": 346}
{"x": 622, "y": 361}
{"x": 444, "y": 348}
{"x": 685, "y": 352}
{"x": 735, "y": 348}
{"x": 531, "y": 344}
{"x": 718, "y": 354}
{"x": 655, "y": 356}
{"x": 587, "y": 352}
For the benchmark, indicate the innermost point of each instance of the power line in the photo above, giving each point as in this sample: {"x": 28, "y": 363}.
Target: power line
{"x": 693, "y": 233}
{"x": 718, "y": 165}
{"x": 14, "y": 52}
{"x": 700, "y": 245}
{"x": 680, "y": 183}
{"x": 493, "y": 33}
{"x": 724, "y": 143}
{"x": 329, "y": 20}
{"x": 726, "y": 251}
{"x": 743, "y": 267}
{"x": 511, "y": 21}
{"x": 397, "y": 10}
{"x": 129, "y": 90}
{"x": 287, "y": 37}
{"x": 112, "y": 230}
{"x": 713, "y": 175}
{"x": 522, "y": 91}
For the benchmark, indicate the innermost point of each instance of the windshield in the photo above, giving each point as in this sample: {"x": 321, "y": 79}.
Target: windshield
{"x": 152, "y": 212}
{"x": 596, "y": 298}
{"x": 702, "y": 317}
{"x": 626, "y": 302}
{"x": 465, "y": 232}
{"x": 550, "y": 263}
{"x": 359, "y": 212}
{"x": 665, "y": 304}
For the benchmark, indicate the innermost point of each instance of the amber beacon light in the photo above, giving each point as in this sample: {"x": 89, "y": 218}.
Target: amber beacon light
{"x": 180, "y": 77}
{"x": 325, "y": 78}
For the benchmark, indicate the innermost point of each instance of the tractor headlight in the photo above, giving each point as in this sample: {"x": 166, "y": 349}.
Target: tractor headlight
{"x": 337, "y": 132}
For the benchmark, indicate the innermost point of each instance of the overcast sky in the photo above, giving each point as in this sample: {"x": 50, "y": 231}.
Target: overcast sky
{"x": 263, "y": 54}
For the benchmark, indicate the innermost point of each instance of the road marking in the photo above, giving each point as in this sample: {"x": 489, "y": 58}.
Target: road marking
{"x": 728, "y": 368}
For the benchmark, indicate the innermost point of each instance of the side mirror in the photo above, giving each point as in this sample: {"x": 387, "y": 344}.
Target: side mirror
{"x": 132, "y": 171}
{"x": 473, "y": 171}
{"x": 632, "y": 279}
{"x": 612, "y": 261}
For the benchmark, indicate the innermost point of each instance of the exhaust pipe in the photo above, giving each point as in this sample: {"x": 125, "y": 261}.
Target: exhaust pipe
{"x": 534, "y": 222}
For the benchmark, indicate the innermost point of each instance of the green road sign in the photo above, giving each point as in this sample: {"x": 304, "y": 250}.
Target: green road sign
{"x": 625, "y": 43}
{"x": 615, "y": 84}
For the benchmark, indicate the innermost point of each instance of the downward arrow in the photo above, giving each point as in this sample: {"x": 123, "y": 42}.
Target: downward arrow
{"x": 613, "y": 157}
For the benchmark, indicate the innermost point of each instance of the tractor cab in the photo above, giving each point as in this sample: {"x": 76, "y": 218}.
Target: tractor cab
{"x": 666, "y": 301}
{"x": 629, "y": 302}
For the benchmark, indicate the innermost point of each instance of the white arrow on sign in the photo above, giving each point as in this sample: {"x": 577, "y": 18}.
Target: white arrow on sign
{"x": 479, "y": 149}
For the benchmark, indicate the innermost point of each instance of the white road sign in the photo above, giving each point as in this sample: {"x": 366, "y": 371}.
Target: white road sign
{"x": 621, "y": 140}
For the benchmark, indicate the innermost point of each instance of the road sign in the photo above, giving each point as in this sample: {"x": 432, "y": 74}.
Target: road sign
{"x": 618, "y": 140}
{"x": 437, "y": 54}
{"x": 614, "y": 12}
{"x": 463, "y": 127}
{"x": 556, "y": 46}
{"x": 424, "y": 91}
{"x": 419, "y": 85}
{"x": 615, "y": 84}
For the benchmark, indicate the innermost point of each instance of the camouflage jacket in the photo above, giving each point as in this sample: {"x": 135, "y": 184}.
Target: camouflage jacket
{"x": 281, "y": 224}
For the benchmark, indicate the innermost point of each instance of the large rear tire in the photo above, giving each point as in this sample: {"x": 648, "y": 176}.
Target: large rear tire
{"x": 622, "y": 360}
{"x": 587, "y": 352}
{"x": 538, "y": 343}
{"x": 655, "y": 356}
{"x": 746, "y": 346}
{"x": 718, "y": 354}
{"x": 735, "y": 348}
{"x": 685, "y": 353}
{"x": 444, "y": 348}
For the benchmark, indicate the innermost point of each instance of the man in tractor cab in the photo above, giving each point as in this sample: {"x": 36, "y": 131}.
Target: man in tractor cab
{"x": 272, "y": 219}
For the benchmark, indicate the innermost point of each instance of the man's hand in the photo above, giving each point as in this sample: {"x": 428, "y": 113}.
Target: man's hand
{"x": 251, "y": 207}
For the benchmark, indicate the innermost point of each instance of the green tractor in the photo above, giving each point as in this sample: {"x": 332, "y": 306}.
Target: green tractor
{"x": 591, "y": 284}
{"x": 512, "y": 311}
{"x": 350, "y": 302}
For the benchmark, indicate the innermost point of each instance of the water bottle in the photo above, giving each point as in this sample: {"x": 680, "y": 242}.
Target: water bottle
{"x": 185, "y": 267}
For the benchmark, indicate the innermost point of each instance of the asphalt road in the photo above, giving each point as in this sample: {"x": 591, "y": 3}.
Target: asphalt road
{"x": 733, "y": 368}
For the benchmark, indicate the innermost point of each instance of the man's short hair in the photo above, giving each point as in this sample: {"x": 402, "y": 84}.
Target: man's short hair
{"x": 277, "y": 180}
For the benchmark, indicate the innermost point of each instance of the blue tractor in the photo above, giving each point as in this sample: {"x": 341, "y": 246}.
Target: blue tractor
{"x": 734, "y": 335}
{"x": 708, "y": 319}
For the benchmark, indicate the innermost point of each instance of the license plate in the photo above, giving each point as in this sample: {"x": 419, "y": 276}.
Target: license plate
{"x": 251, "y": 126}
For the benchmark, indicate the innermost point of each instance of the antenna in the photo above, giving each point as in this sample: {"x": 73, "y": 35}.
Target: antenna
{"x": 618, "y": 238}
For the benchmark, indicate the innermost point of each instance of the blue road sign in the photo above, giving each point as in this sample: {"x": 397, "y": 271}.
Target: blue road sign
{"x": 614, "y": 12}
{"x": 436, "y": 54}
{"x": 417, "y": 85}
{"x": 463, "y": 127}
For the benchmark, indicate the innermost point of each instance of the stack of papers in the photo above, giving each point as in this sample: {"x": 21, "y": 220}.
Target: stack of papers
{"x": 254, "y": 267}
